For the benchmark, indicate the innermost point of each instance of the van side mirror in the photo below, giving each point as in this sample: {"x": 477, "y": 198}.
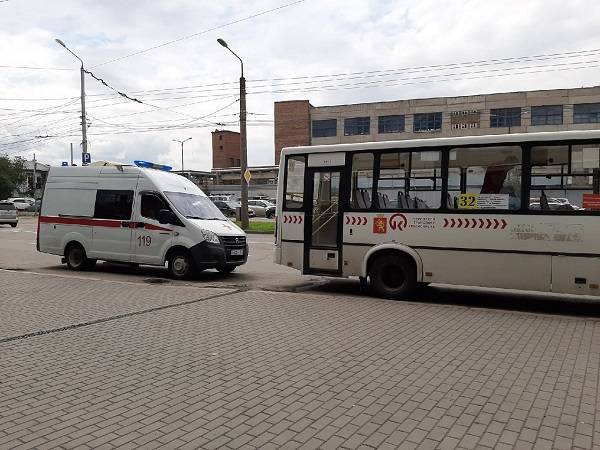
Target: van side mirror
{"x": 166, "y": 216}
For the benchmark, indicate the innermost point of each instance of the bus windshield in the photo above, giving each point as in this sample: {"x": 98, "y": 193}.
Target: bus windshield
{"x": 195, "y": 206}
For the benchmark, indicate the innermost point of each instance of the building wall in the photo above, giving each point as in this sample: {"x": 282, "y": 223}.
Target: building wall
{"x": 225, "y": 149}
{"x": 292, "y": 125}
{"x": 473, "y": 112}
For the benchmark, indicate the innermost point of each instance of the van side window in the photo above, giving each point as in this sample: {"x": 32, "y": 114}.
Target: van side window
{"x": 114, "y": 205}
{"x": 150, "y": 206}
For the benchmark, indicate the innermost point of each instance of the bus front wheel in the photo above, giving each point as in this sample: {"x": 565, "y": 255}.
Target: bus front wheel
{"x": 393, "y": 276}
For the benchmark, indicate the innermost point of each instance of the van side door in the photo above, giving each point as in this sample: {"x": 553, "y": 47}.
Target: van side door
{"x": 151, "y": 239}
{"x": 112, "y": 226}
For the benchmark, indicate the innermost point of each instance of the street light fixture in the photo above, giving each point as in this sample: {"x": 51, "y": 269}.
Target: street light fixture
{"x": 182, "y": 142}
{"x": 84, "y": 143}
{"x": 243, "y": 141}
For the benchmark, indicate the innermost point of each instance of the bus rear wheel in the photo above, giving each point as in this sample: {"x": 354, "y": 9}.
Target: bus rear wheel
{"x": 393, "y": 276}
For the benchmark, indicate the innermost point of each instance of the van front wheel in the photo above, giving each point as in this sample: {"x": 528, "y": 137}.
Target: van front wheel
{"x": 76, "y": 257}
{"x": 180, "y": 265}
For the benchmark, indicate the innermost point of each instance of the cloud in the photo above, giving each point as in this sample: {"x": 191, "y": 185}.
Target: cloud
{"x": 309, "y": 39}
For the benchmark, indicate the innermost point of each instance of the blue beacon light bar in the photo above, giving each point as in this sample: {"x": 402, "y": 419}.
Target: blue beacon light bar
{"x": 151, "y": 165}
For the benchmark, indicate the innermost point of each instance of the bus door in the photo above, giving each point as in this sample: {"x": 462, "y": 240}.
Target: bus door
{"x": 322, "y": 243}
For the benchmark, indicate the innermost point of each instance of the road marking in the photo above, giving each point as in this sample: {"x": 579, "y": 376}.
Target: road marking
{"x": 117, "y": 317}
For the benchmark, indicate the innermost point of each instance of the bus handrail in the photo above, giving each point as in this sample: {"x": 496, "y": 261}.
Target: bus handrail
{"x": 327, "y": 221}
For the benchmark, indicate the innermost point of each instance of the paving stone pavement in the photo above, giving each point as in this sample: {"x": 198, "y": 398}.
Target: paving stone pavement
{"x": 32, "y": 303}
{"x": 282, "y": 370}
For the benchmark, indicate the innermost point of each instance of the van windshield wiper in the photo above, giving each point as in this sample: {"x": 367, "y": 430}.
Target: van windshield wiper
{"x": 204, "y": 218}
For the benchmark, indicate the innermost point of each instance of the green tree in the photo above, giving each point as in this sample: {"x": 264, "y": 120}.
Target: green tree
{"x": 12, "y": 174}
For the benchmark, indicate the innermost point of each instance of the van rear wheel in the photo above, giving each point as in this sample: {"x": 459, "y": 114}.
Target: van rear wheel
{"x": 393, "y": 276}
{"x": 76, "y": 257}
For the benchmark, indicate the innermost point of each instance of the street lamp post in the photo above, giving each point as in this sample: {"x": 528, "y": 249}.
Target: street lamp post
{"x": 182, "y": 142}
{"x": 243, "y": 141}
{"x": 84, "y": 143}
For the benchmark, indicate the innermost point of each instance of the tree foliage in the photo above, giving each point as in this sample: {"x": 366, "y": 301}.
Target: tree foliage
{"x": 12, "y": 174}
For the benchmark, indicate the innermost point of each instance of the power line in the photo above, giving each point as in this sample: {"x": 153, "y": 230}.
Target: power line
{"x": 253, "y": 16}
{"x": 336, "y": 76}
{"x": 35, "y": 68}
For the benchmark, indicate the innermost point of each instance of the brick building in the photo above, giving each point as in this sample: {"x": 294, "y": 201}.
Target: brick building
{"x": 225, "y": 149}
{"x": 299, "y": 123}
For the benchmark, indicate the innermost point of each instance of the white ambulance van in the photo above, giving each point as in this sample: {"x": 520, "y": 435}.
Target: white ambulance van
{"x": 137, "y": 214}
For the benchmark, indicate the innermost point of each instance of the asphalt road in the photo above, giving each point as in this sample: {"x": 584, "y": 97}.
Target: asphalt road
{"x": 17, "y": 251}
{"x": 125, "y": 358}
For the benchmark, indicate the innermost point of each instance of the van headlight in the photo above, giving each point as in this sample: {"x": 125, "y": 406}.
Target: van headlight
{"x": 209, "y": 236}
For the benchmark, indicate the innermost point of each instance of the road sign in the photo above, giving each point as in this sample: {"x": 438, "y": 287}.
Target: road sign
{"x": 86, "y": 158}
{"x": 247, "y": 176}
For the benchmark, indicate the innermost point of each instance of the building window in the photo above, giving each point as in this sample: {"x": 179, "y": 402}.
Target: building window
{"x": 238, "y": 163}
{"x": 427, "y": 122}
{"x": 357, "y": 126}
{"x": 586, "y": 113}
{"x": 390, "y": 124}
{"x": 324, "y": 128}
{"x": 220, "y": 137}
{"x": 220, "y": 147}
{"x": 547, "y": 115}
{"x": 505, "y": 117}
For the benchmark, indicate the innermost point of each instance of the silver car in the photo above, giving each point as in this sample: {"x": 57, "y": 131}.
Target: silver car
{"x": 262, "y": 208}
{"x": 8, "y": 214}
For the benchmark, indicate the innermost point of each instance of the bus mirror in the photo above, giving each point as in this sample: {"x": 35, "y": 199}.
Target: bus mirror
{"x": 165, "y": 216}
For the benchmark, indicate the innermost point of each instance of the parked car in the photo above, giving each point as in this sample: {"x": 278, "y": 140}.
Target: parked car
{"x": 21, "y": 203}
{"x": 35, "y": 207}
{"x": 262, "y": 208}
{"x": 559, "y": 204}
{"x": 229, "y": 208}
{"x": 8, "y": 214}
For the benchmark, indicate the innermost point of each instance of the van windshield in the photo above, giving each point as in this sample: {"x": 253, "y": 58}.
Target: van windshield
{"x": 195, "y": 206}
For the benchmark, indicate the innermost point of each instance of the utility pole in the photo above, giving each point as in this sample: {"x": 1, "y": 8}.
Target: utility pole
{"x": 182, "y": 142}
{"x": 71, "y": 154}
{"x": 84, "y": 143}
{"x": 34, "y": 175}
{"x": 243, "y": 141}
{"x": 84, "y": 146}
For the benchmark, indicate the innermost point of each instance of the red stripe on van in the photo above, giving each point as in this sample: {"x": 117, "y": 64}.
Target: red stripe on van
{"x": 149, "y": 226}
{"x": 83, "y": 221}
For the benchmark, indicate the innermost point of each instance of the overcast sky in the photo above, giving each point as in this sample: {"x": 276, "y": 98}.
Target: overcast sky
{"x": 193, "y": 84}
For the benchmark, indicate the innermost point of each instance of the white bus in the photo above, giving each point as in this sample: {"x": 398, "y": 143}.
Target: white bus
{"x": 518, "y": 211}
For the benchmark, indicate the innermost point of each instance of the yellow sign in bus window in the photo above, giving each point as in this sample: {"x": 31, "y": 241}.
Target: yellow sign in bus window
{"x": 467, "y": 201}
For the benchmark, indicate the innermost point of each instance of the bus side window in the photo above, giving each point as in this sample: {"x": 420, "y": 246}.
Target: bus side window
{"x": 294, "y": 188}
{"x": 410, "y": 180}
{"x": 564, "y": 178}
{"x": 485, "y": 178}
{"x": 361, "y": 194}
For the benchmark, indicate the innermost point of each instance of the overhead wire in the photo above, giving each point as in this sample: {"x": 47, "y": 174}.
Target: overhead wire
{"x": 164, "y": 44}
